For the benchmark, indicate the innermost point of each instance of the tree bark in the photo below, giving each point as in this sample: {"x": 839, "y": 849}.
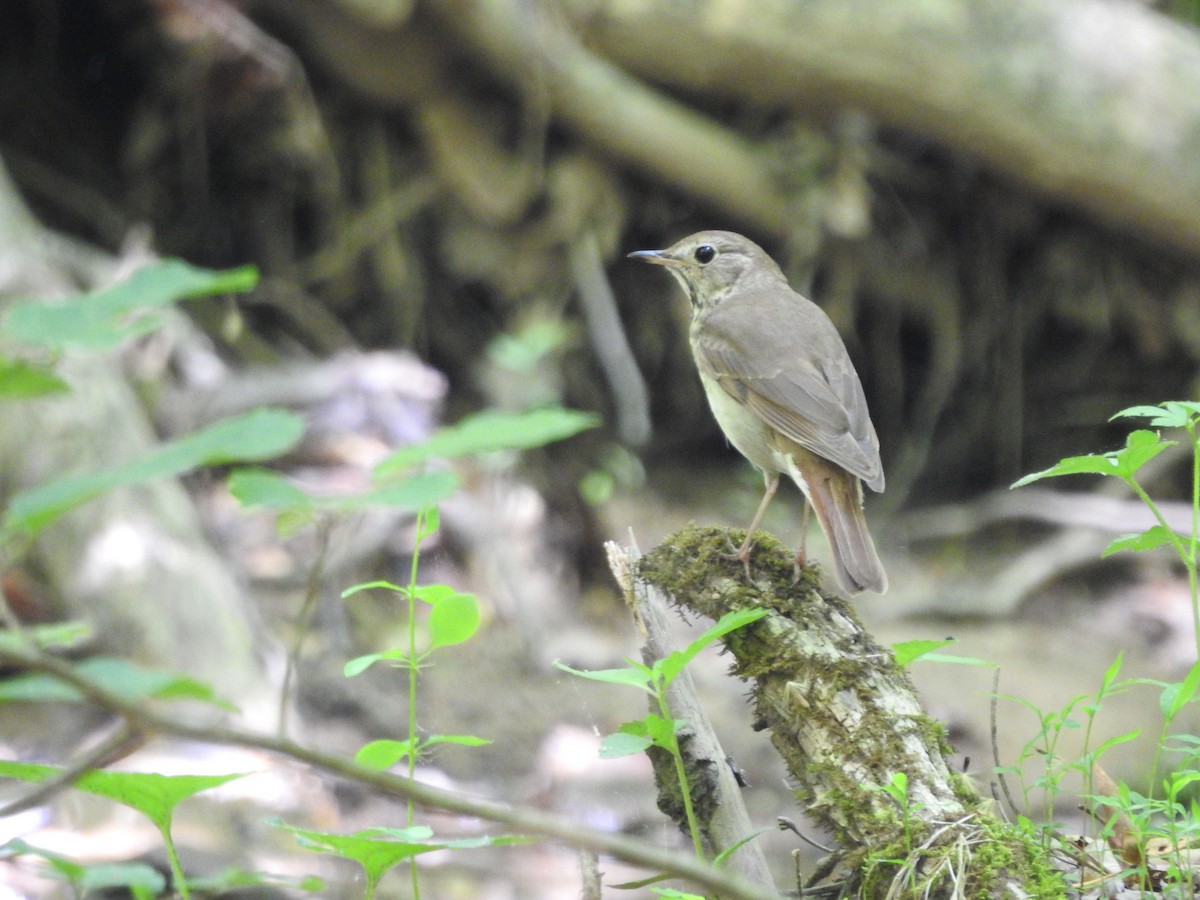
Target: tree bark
{"x": 723, "y": 818}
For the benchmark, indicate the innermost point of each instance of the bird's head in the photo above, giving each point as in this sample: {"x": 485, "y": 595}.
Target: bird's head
{"x": 709, "y": 264}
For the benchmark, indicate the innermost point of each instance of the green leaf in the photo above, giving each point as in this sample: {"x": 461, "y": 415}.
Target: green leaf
{"x": 256, "y": 487}
{"x": 1091, "y": 464}
{"x": 428, "y": 522}
{"x": 370, "y": 586}
{"x": 908, "y": 652}
{"x": 376, "y": 855}
{"x": 453, "y": 619}
{"x": 263, "y": 487}
{"x": 492, "y": 430}
{"x": 521, "y": 351}
{"x": 1177, "y": 781}
{"x": 1172, "y": 414}
{"x": 1110, "y": 674}
{"x": 623, "y": 744}
{"x": 139, "y": 879}
{"x": 637, "y": 676}
{"x": 1114, "y": 741}
{"x": 951, "y": 659}
{"x": 1145, "y": 412}
{"x": 230, "y": 880}
{"x": 1152, "y": 537}
{"x": 105, "y": 318}
{"x": 383, "y": 754}
{"x": 662, "y": 731}
{"x": 120, "y": 676}
{"x": 463, "y": 740}
{"x": 741, "y": 842}
{"x": 1176, "y": 696}
{"x": 67, "y": 868}
{"x": 416, "y": 493}
{"x": 21, "y": 380}
{"x": 57, "y": 634}
{"x": 671, "y": 665}
{"x": 433, "y": 593}
{"x": 256, "y": 435}
{"x": 154, "y": 796}
{"x": 1140, "y": 447}
{"x": 422, "y": 833}
{"x": 360, "y": 664}
{"x": 414, "y": 833}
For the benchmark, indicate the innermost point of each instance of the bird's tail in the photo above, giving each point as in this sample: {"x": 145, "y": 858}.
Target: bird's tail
{"x": 836, "y": 498}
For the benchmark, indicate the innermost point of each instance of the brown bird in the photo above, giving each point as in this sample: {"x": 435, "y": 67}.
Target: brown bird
{"x": 784, "y": 391}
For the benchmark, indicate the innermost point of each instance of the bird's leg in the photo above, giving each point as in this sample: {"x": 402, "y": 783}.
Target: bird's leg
{"x": 801, "y": 558}
{"x": 743, "y": 554}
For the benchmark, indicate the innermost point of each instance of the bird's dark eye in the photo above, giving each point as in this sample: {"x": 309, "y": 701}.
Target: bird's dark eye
{"x": 705, "y": 254}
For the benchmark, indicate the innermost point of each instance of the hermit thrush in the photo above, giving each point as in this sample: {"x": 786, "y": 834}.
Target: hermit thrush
{"x": 784, "y": 391}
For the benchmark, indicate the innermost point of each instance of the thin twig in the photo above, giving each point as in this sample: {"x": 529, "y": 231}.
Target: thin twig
{"x": 122, "y": 742}
{"x": 996, "y": 749}
{"x": 312, "y": 593}
{"x": 788, "y": 825}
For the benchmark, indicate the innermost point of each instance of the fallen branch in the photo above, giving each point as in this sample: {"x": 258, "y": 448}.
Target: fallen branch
{"x": 847, "y": 722}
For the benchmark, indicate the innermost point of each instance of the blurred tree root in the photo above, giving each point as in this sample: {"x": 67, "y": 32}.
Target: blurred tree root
{"x": 956, "y": 183}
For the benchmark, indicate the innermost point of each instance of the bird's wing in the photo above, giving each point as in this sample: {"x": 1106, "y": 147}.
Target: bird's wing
{"x": 797, "y": 377}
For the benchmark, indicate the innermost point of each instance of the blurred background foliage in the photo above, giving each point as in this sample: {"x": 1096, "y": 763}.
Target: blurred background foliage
{"x": 997, "y": 203}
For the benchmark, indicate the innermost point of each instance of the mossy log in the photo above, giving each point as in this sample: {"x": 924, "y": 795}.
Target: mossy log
{"x": 847, "y": 721}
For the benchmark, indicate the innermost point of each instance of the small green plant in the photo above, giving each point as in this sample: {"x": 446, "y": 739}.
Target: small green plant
{"x": 897, "y": 791}
{"x": 660, "y": 729}
{"x": 1077, "y": 715}
{"x": 378, "y": 850}
{"x": 32, "y": 335}
{"x": 142, "y": 881}
{"x": 436, "y": 616}
{"x": 40, "y": 331}
{"x": 154, "y": 796}
{"x": 1141, "y": 446}
{"x": 1140, "y": 827}
{"x": 908, "y": 652}
{"x": 453, "y": 617}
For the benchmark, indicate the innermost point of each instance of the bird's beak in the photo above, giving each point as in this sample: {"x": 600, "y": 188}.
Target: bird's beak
{"x": 659, "y": 257}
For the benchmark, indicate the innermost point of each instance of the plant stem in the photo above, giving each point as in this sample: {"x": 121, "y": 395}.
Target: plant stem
{"x": 413, "y": 668}
{"x": 1186, "y": 554}
{"x": 1191, "y": 560}
{"x": 312, "y": 595}
{"x": 681, "y": 775}
{"x": 177, "y": 877}
{"x": 413, "y": 672}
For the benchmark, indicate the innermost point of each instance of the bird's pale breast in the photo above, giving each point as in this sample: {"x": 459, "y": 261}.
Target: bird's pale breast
{"x": 746, "y": 431}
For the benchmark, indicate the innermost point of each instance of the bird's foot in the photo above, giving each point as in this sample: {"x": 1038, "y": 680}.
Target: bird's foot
{"x": 732, "y": 552}
{"x": 740, "y": 554}
{"x": 799, "y": 561}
